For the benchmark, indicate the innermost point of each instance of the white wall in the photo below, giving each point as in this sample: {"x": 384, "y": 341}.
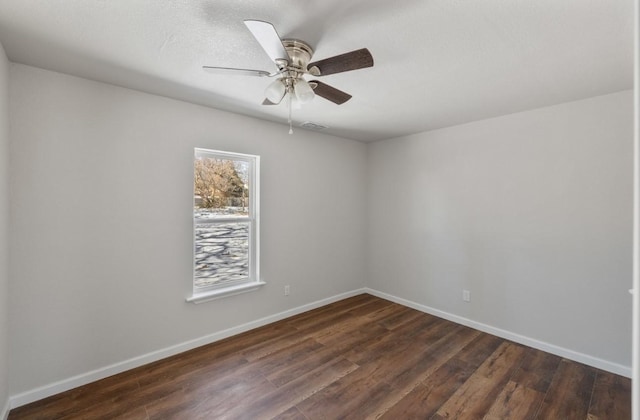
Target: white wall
{"x": 531, "y": 212}
{"x": 4, "y": 228}
{"x": 102, "y": 229}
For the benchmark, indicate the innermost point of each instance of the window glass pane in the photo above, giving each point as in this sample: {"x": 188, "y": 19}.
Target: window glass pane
{"x": 225, "y": 209}
{"x": 221, "y": 188}
{"x": 221, "y": 254}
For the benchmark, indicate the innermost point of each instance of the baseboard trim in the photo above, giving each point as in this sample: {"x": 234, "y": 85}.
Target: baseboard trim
{"x": 508, "y": 335}
{"x": 101, "y": 373}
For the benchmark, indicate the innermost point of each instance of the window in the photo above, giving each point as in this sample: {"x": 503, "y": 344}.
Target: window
{"x": 225, "y": 224}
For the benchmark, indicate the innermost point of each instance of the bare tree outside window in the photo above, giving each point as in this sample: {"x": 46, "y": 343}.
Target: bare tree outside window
{"x": 220, "y": 185}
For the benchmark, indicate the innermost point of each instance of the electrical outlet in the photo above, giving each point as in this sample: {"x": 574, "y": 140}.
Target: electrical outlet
{"x": 287, "y": 290}
{"x": 466, "y": 295}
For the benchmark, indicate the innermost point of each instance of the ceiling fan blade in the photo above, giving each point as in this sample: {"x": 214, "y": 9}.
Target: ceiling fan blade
{"x": 329, "y": 92}
{"x": 353, "y": 60}
{"x": 268, "y": 102}
{"x": 235, "y": 71}
{"x": 269, "y": 40}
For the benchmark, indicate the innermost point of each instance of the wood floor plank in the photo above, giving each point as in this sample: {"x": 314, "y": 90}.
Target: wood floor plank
{"x": 393, "y": 374}
{"x": 331, "y": 320}
{"x": 217, "y": 397}
{"x": 401, "y": 318}
{"x": 136, "y": 414}
{"x": 611, "y": 397}
{"x": 346, "y": 338}
{"x": 537, "y": 370}
{"x": 177, "y": 373}
{"x": 424, "y": 400}
{"x": 330, "y": 351}
{"x": 570, "y": 391}
{"x": 310, "y": 319}
{"x": 255, "y": 337}
{"x": 272, "y": 345}
{"x": 279, "y": 360}
{"x": 388, "y": 373}
{"x": 424, "y": 362}
{"x": 354, "y": 393}
{"x": 516, "y": 402}
{"x": 336, "y": 332}
{"x": 284, "y": 398}
{"x": 291, "y": 414}
{"x": 474, "y": 398}
{"x": 392, "y": 343}
{"x": 370, "y": 308}
{"x": 68, "y": 403}
{"x": 107, "y": 411}
{"x": 362, "y": 357}
{"x": 388, "y": 312}
{"x": 480, "y": 349}
{"x": 208, "y": 386}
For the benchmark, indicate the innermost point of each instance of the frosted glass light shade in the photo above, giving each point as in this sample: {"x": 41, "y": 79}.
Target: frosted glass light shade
{"x": 303, "y": 91}
{"x": 275, "y": 91}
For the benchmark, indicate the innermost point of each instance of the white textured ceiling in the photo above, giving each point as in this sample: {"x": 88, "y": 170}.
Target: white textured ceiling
{"x": 437, "y": 62}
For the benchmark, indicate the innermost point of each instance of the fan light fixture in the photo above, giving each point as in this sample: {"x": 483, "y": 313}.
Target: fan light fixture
{"x": 299, "y": 90}
{"x": 275, "y": 91}
{"x": 292, "y": 59}
{"x": 302, "y": 91}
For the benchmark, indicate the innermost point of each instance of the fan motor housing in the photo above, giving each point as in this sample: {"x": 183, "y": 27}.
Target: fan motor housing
{"x": 300, "y": 54}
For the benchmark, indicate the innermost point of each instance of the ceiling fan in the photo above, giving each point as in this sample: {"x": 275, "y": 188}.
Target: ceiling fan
{"x": 292, "y": 60}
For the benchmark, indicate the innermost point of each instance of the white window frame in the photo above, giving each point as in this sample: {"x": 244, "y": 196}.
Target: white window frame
{"x": 252, "y": 282}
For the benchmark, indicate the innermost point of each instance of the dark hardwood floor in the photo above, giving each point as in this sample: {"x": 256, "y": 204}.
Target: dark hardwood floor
{"x": 362, "y": 357}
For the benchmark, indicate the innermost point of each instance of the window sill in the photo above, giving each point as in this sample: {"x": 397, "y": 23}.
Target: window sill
{"x": 224, "y": 292}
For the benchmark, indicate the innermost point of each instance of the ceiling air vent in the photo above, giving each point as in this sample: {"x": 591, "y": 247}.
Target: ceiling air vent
{"x": 313, "y": 126}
